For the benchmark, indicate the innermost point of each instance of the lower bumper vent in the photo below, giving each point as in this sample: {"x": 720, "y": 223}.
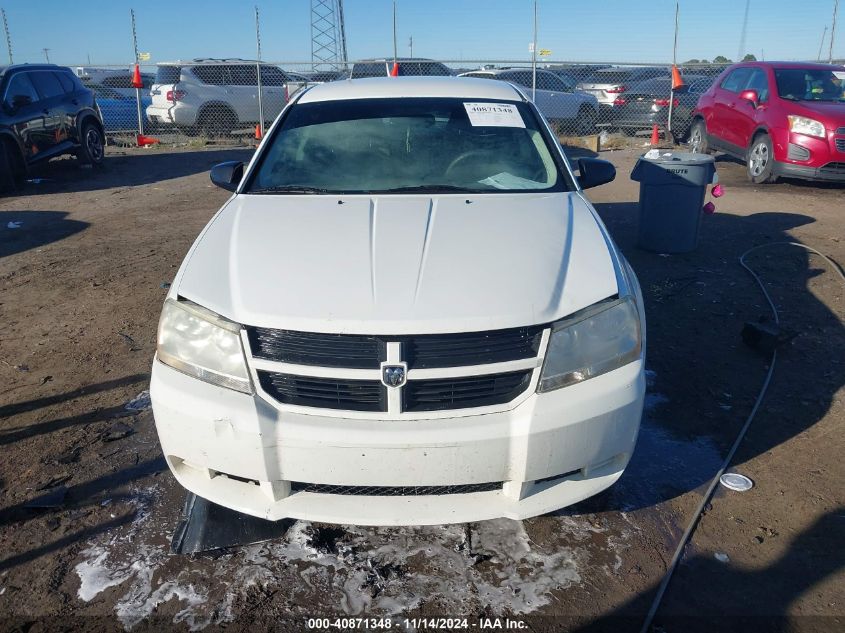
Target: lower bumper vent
{"x": 394, "y": 491}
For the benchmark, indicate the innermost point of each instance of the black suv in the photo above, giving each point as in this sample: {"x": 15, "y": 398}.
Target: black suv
{"x": 45, "y": 112}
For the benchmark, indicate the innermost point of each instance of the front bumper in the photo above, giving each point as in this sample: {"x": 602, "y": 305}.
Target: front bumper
{"x": 832, "y": 172}
{"x": 243, "y": 452}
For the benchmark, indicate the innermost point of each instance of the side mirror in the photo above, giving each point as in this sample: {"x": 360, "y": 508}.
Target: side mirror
{"x": 20, "y": 101}
{"x": 594, "y": 172}
{"x": 750, "y": 95}
{"x": 227, "y": 175}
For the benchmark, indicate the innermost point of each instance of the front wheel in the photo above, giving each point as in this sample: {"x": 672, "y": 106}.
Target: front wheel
{"x": 93, "y": 150}
{"x": 698, "y": 138}
{"x": 760, "y": 163}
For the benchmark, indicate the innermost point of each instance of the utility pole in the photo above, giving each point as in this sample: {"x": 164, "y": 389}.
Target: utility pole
{"x": 534, "y": 58}
{"x": 8, "y": 37}
{"x": 674, "y": 64}
{"x": 832, "y": 31}
{"x": 741, "y": 53}
{"x": 395, "y": 54}
{"x": 46, "y": 54}
{"x": 821, "y": 44}
{"x": 137, "y": 90}
{"x": 258, "y": 73}
{"x": 411, "y": 44}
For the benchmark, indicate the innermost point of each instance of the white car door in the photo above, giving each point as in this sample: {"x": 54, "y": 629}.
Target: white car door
{"x": 243, "y": 91}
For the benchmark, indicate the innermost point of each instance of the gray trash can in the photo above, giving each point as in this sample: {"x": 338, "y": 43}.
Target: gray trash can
{"x": 672, "y": 190}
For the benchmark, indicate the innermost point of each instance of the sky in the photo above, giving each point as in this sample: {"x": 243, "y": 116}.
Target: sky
{"x": 573, "y": 30}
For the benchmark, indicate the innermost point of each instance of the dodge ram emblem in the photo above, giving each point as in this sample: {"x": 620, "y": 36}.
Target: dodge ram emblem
{"x": 393, "y": 375}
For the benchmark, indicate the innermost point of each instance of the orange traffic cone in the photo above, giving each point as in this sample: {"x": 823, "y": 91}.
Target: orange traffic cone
{"x": 677, "y": 80}
{"x": 394, "y": 72}
{"x": 655, "y": 135}
{"x": 137, "y": 82}
{"x": 258, "y": 134}
{"x": 144, "y": 141}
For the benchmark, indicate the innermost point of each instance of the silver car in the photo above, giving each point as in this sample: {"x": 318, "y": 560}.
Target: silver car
{"x": 567, "y": 110}
{"x": 608, "y": 84}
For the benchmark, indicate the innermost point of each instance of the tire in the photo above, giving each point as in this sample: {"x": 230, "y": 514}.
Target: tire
{"x": 760, "y": 161}
{"x": 11, "y": 174}
{"x": 92, "y": 150}
{"x": 697, "y": 139}
{"x": 585, "y": 123}
{"x": 216, "y": 121}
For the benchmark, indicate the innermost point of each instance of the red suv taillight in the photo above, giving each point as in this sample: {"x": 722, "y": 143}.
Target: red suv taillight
{"x": 618, "y": 101}
{"x": 616, "y": 89}
{"x": 175, "y": 95}
{"x": 665, "y": 102}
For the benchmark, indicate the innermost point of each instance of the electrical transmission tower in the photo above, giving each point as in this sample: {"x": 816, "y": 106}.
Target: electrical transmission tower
{"x": 328, "y": 35}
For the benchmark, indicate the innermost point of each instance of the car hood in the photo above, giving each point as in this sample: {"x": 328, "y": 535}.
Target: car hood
{"x": 833, "y": 113}
{"x": 400, "y": 264}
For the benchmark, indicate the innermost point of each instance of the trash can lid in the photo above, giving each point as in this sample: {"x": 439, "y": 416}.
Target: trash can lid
{"x": 677, "y": 158}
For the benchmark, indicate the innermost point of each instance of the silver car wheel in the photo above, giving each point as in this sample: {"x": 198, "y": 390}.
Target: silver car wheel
{"x": 758, "y": 158}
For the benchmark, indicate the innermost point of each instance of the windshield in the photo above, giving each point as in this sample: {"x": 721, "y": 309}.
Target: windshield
{"x": 799, "y": 84}
{"x": 408, "y": 144}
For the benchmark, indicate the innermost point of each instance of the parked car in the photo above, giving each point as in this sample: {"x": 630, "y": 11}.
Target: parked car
{"x": 609, "y": 83}
{"x": 406, "y": 313}
{"x": 322, "y": 76}
{"x": 46, "y": 112}
{"x": 578, "y": 71}
{"x": 407, "y": 66}
{"x": 781, "y": 118}
{"x": 647, "y": 104}
{"x": 215, "y": 96}
{"x": 119, "y": 112}
{"x": 567, "y": 111}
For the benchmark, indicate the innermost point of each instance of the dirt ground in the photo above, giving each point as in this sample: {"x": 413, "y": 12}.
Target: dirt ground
{"x": 87, "y": 506}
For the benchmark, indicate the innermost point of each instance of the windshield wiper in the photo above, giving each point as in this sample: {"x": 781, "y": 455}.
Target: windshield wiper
{"x": 292, "y": 189}
{"x": 428, "y": 189}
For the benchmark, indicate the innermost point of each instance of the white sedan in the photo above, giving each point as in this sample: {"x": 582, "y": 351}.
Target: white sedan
{"x": 569, "y": 111}
{"x": 407, "y": 312}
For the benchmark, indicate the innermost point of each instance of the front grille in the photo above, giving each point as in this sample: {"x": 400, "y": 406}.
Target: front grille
{"x": 326, "y": 393}
{"x": 840, "y": 144}
{"x": 840, "y": 130}
{"x": 357, "y": 351}
{"x": 471, "y": 348}
{"x": 464, "y": 392}
{"x": 394, "y": 491}
{"x": 323, "y": 350}
{"x": 833, "y": 168}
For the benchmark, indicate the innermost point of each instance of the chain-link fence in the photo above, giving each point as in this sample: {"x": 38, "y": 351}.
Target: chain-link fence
{"x": 225, "y": 101}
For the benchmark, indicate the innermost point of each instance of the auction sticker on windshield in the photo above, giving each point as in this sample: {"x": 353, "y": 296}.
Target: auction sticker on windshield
{"x": 493, "y": 115}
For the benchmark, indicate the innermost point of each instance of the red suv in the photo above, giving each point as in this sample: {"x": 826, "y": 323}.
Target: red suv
{"x": 783, "y": 119}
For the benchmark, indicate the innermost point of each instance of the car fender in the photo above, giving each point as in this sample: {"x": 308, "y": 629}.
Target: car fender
{"x": 83, "y": 115}
{"x": 7, "y": 134}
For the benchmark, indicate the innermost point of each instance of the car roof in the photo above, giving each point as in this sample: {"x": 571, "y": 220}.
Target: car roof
{"x": 204, "y": 61}
{"x": 386, "y": 87}
{"x": 391, "y": 59}
{"x": 796, "y": 65}
{"x": 499, "y": 71}
{"x": 5, "y": 69}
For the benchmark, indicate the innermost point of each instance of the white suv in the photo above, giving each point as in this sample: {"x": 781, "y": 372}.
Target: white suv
{"x": 215, "y": 96}
{"x": 407, "y": 313}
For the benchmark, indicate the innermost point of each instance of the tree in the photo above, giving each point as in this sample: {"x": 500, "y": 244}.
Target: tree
{"x": 692, "y": 61}
{"x": 749, "y": 58}
{"x": 721, "y": 59}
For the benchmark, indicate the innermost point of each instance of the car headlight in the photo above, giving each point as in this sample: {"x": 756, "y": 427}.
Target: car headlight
{"x": 803, "y": 125}
{"x": 202, "y": 344}
{"x": 592, "y": 342}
